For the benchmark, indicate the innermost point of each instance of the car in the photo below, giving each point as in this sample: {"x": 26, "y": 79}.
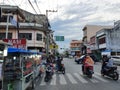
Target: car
{"x": 116, "y": 60}
{"x": 94, "y": 58}
{"x": 79, "y": 60}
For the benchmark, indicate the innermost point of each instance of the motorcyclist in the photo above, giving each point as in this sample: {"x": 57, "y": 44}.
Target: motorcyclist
{"x": 88, "y": 61}
{"x": 59, "y": 60}
{"x": 106, "y": 63}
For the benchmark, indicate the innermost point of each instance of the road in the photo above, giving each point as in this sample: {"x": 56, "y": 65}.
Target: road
{"x": 74, "y": 80}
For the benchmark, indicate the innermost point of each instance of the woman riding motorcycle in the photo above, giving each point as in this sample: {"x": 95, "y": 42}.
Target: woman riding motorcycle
{"x": 87, "y": 64}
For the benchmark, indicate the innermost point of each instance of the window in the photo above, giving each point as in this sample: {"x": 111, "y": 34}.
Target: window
{"x": 39, "y": 37}
{"x": 25, "y": 35}
{"x": 3, "y": 36}
{"x": 102, "y": 40}
{"x": 4, "y": 18}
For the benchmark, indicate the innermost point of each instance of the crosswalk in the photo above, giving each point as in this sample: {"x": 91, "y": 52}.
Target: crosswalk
{"x": 74, "y": 78}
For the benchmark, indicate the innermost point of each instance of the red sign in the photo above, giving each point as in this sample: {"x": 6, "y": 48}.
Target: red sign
{"x": 17, "y": 43}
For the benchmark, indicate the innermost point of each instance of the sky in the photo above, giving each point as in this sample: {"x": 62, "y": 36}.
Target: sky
{"x": 72, "y": 15}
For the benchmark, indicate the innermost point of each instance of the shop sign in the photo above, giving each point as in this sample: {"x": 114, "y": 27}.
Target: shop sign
{"x": 17, "y": 43}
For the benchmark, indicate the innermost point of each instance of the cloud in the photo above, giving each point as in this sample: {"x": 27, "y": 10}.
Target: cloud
{"x": 73, "y": 15}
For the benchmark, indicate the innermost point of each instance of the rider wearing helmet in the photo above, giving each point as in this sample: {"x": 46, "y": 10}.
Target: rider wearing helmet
{"x": 105, "y": 61}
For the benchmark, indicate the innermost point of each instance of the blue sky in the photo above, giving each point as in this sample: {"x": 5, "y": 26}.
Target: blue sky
{"x": 73, "y": 15}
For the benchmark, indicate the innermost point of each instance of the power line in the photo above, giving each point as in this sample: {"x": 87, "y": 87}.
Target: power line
{"x": 21, "y": 2}
{"x": 37, "y": 6}
{"x": 32, "y": 6}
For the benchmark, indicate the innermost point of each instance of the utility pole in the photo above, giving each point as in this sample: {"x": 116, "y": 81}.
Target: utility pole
{"x": 47, "y": 32}
{"x": 50, "y": 11}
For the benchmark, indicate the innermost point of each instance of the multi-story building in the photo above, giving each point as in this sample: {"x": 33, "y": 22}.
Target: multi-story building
{"x": 75, "y": 47}
{"x": 108, "y": 39}
{"x": 34, "y": 28}
{"x": 90, "y": 30}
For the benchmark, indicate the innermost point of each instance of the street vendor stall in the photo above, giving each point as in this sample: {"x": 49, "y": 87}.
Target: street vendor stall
{"x": 18, "y": 70}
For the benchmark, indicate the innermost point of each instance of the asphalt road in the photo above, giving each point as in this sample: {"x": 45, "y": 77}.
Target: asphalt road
{"x": 74, "y": 80}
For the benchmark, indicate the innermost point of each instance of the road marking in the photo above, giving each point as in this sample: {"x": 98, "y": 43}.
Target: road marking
{"x": 100, "y": 78}
{"x": 72, "y": 80}
{"x": 62, "y": 79}
{"x": 93, "y": 80}
{"x": 42, "y": 81}
{"x": 80, "y": 78}
{"x": 53, "y": 80}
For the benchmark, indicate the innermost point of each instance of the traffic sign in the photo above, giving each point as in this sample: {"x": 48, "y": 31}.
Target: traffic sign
{"x": 53, "y": 46}
{"x": 59, "y": 38}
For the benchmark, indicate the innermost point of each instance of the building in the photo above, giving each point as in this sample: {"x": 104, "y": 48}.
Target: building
{"x": 75, "y": 47}
{"x": 16, "y": 23}
{"x": 90, "y": 30}
{"x": 108, "y": 39}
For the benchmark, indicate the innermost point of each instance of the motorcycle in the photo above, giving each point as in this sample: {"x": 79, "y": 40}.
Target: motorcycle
{"x": 111, "y": 72}
{"x": 88, "y": 70}
{"x": 61, "y": 69}
{"x": 49, "y": 72}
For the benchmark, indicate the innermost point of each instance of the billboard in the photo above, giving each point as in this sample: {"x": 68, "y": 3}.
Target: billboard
{"x": 17, "y": 43}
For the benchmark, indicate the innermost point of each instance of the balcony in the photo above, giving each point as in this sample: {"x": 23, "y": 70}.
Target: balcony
{"x": 23, "y": 24}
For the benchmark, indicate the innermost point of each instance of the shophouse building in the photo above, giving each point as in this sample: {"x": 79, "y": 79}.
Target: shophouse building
{"x": 32, "y": 29}
{"x": 90, "y": 30}
{"x": 108, "y": 39}
{"x": 75, "y": 47}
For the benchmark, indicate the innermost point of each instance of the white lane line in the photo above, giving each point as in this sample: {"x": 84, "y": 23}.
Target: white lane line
{"x": 80, "y": 78}
{"x": 42, "y": 81}
{"x": 62, "y": 79}
{"x": 71, "y": 78}
{"x": 53, "y": 80}
{"x": 93, "y": 80}
{"x": 100, "y": 78}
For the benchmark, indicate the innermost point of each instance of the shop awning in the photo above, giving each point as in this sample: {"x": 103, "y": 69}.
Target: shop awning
{"x": 13, "y": 50}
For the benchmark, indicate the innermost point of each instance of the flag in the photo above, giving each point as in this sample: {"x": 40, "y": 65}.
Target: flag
{"x": 14, "y": 22}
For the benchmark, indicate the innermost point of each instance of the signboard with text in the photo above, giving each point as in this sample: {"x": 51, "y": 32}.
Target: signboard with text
{"x": 59, "y": 38}
{"x": 53, "y": 46}
{"x": 17, "y": 43}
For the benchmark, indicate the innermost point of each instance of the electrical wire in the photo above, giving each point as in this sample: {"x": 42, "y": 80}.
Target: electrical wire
{"x": 37, "y": 6}
{"x": 21, "y": 2}
{"x": 32, "y": 6}
{"x": 8, "y": 1}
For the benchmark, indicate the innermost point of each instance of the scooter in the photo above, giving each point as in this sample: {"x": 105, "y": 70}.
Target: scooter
{"x": 61, "y": 69}
{"x": 49, "y": 73}
{"x": 87, "y": 70}
{"x": 111, "y": 72}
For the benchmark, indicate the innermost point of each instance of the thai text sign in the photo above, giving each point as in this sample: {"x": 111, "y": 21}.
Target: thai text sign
{"x": 17, "y": 43}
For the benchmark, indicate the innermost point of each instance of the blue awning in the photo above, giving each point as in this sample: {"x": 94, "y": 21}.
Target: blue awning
{"x": 14, "y": 50}
{"x": 17, "y": 50}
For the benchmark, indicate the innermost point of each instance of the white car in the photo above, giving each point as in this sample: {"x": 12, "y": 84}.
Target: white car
{"x": 116, "y": 59}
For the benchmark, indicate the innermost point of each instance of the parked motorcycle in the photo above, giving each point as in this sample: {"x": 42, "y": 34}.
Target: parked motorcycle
{"x": 88, "y": 70}
{"x": 111, "y": 72}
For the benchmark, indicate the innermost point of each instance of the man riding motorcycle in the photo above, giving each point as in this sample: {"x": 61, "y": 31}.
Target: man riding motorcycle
{"x": 107, "y": 63}
{"x": 108, "y": 69}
